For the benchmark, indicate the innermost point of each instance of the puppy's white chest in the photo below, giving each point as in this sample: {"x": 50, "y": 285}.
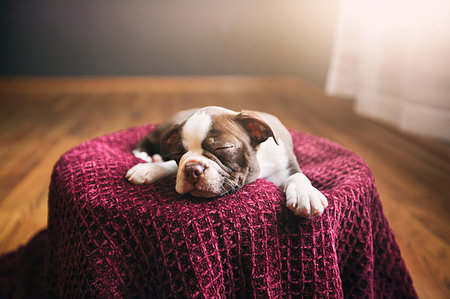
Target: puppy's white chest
{"x": 273, "y": 162}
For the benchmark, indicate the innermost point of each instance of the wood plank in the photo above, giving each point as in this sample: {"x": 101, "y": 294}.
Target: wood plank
{"x": 24, "y": 210}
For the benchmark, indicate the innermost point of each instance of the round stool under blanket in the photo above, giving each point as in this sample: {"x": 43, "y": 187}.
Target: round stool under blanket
{"x": 110, "y": 238}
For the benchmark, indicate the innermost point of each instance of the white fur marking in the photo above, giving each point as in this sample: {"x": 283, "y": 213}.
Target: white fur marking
{"x": 195, "y": 131}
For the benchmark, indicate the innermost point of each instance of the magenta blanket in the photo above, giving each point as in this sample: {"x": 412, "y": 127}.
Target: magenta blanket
{"x": 109, "y": 238}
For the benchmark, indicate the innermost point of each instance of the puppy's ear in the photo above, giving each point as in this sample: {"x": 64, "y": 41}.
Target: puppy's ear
{"x": 256, "y": 127}
{"x": 169, "y": 141}
{"x": 171, "y": 136}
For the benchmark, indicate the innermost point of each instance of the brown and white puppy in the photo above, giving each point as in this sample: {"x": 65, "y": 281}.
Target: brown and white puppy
{"x": 214, "y": 151}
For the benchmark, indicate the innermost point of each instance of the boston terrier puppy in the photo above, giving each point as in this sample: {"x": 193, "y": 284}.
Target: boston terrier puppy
{"x": 213, "y": 151}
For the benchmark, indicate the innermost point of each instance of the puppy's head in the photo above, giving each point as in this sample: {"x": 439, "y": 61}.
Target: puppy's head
{"x": 215, "y": 150}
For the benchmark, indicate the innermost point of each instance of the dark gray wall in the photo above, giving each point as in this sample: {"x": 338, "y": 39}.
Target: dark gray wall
{"x": 133, "y": 37}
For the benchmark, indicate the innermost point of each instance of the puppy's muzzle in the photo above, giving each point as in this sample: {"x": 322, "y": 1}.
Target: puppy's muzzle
{"x": 193, "y": 171}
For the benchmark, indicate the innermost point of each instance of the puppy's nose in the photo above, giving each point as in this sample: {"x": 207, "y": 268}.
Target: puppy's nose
{"x": 193, "y": 171}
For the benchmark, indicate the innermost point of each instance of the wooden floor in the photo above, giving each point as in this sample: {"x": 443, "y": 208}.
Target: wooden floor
{"x": 42, "y": 118}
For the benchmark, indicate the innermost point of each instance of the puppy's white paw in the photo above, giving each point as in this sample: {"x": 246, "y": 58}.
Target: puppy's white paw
{"x": 140, "y": 173}
{"x": 142, "y": 155}
{"x": 302, "y": 198}
{"x": 145, "y": 173}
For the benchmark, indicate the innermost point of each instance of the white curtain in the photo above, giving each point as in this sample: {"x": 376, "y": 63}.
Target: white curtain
{"x": 393, "y": 59}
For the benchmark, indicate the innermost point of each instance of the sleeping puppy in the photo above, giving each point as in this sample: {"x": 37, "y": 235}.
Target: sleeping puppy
{"x": 213, "y": 151}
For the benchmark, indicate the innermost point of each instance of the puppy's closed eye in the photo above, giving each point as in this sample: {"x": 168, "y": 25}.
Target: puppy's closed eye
{"x": 224, "y": 147}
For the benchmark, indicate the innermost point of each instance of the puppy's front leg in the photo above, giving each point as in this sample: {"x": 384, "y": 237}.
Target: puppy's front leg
{"x": 302, "y": 198}
{"x": 145, "y": 173}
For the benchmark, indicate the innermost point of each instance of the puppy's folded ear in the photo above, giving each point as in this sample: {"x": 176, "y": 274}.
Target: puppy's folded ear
{"x": 258, "y": 130}
{"x": 169, "y": 141}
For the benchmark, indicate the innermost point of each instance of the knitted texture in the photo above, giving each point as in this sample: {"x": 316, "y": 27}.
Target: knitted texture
{"x": 109, "y": 238}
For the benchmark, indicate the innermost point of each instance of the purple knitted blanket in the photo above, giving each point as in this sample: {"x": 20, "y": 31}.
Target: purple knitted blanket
{"x": 108, "y": 238}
